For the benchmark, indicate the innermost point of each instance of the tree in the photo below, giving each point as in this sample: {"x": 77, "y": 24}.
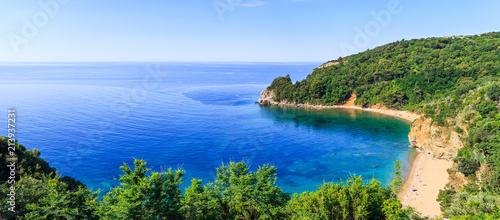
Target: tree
{"x": 397, "y": 182}
{"x": 236, "y": 194}
{"x": 348, "y": 200}
{"x": 144, "y": 197}
{"x": 29, "y": 162}
{"x": 49, "y": 198}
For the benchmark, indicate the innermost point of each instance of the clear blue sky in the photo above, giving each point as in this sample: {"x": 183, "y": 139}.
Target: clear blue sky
{"x": 249, "y": 30}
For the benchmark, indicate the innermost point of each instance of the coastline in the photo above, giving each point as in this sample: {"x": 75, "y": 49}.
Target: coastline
{"x": 266, "y": 98}
{"x": 405, "y": 115}
{"x": 427, "y": 174}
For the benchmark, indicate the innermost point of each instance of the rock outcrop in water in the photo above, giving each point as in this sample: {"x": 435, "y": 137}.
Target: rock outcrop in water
{"x": 438, "y": 141}
{"x": 266, "y": 97}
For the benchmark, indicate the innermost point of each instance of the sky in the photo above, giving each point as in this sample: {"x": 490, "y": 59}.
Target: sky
{"x": 226, "y": 30}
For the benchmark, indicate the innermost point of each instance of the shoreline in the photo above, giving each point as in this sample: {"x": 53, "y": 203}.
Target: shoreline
{"x": 405, "y": 115}
{"x": 427, "y": 176}
{"x": 266, "y": 98}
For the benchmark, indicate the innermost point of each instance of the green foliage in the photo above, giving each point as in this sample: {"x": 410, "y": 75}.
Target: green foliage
{"x": 236, "y": 194}
{"x": 199, "y": 201}
{"x": 484, "y": 216}
{"x": 465, "y": 152}
{"x": 480, "y": 204}
{"x": 352, "y": 200}
{"x": 349, "y": 200}
{"x": 445, "y": 197}
{"x": 451, "y": 81}
{"x": 467, "y": 166}
{"x": 393, "y": 97}
{"x": 459, "y": 130}
{"x": 403, "y": 74}
{"x": 282, "y": 82}
{"x": 142, "y": 196}
{"x": 493, "y": 91}
{"x": 393, "y": 209}
{"x": 487, "y": 108}
{"x": 464, "y": 85}
{"x": 28, "y": 162}
{"x": 49, "y": 198}
{"x": 397, "y": 183}
{"x": 40, "y": 192}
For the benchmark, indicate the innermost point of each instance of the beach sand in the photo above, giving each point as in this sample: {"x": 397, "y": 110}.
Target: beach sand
{"x": 427, "y": 176}
{"x": 408, "y": 116}
{"x": 405, "y": 115}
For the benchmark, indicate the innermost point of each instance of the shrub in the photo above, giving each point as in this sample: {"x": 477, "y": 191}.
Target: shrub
{"x": 493, "y": 91}
{"x": 467, "y": 166}
{"x": 459, "y": 130}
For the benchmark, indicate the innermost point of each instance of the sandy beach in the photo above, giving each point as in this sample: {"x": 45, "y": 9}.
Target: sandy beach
{"x": 405, "y": 115}
{"x": 427, "y": 176}
{"x": 266, "y": 98}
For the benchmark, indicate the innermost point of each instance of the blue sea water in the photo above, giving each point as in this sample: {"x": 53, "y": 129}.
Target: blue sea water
{"x": 87, "y": 119}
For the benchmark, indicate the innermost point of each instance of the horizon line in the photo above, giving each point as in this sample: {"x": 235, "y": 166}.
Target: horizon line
{"x": 20, "y": 62}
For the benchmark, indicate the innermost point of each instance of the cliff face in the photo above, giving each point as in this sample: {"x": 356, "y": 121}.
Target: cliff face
{"x": 266, "y": 97}
{"x": 328, "y": 64}
{"x": 440, "y": 142}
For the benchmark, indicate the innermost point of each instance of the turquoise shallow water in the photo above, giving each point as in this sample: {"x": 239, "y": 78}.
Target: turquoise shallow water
{"x": 89, "y": 118}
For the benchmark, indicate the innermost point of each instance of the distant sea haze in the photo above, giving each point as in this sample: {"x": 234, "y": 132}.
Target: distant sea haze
{"x": 87, "y": 119}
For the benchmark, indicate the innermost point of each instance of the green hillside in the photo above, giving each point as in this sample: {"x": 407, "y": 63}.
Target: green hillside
{"x": 450, "y": 80}
{"x": 405, "y": 74}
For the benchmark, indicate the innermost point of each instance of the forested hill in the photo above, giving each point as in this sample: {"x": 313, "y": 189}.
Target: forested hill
{"x": 454, "y": 81}
{"x": 403, "y": 74}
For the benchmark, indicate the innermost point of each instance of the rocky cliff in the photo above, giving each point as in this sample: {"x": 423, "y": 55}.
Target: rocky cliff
{"x": 266, "y": 97}
{"x": 440, "y": 142}
{"x": 328, "y": 64}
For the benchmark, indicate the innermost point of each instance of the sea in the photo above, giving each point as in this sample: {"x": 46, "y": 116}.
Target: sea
{"x": 88, "y": 119}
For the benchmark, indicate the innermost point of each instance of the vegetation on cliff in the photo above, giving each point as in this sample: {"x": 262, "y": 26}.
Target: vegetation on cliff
{"x": 479, "y": 160}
